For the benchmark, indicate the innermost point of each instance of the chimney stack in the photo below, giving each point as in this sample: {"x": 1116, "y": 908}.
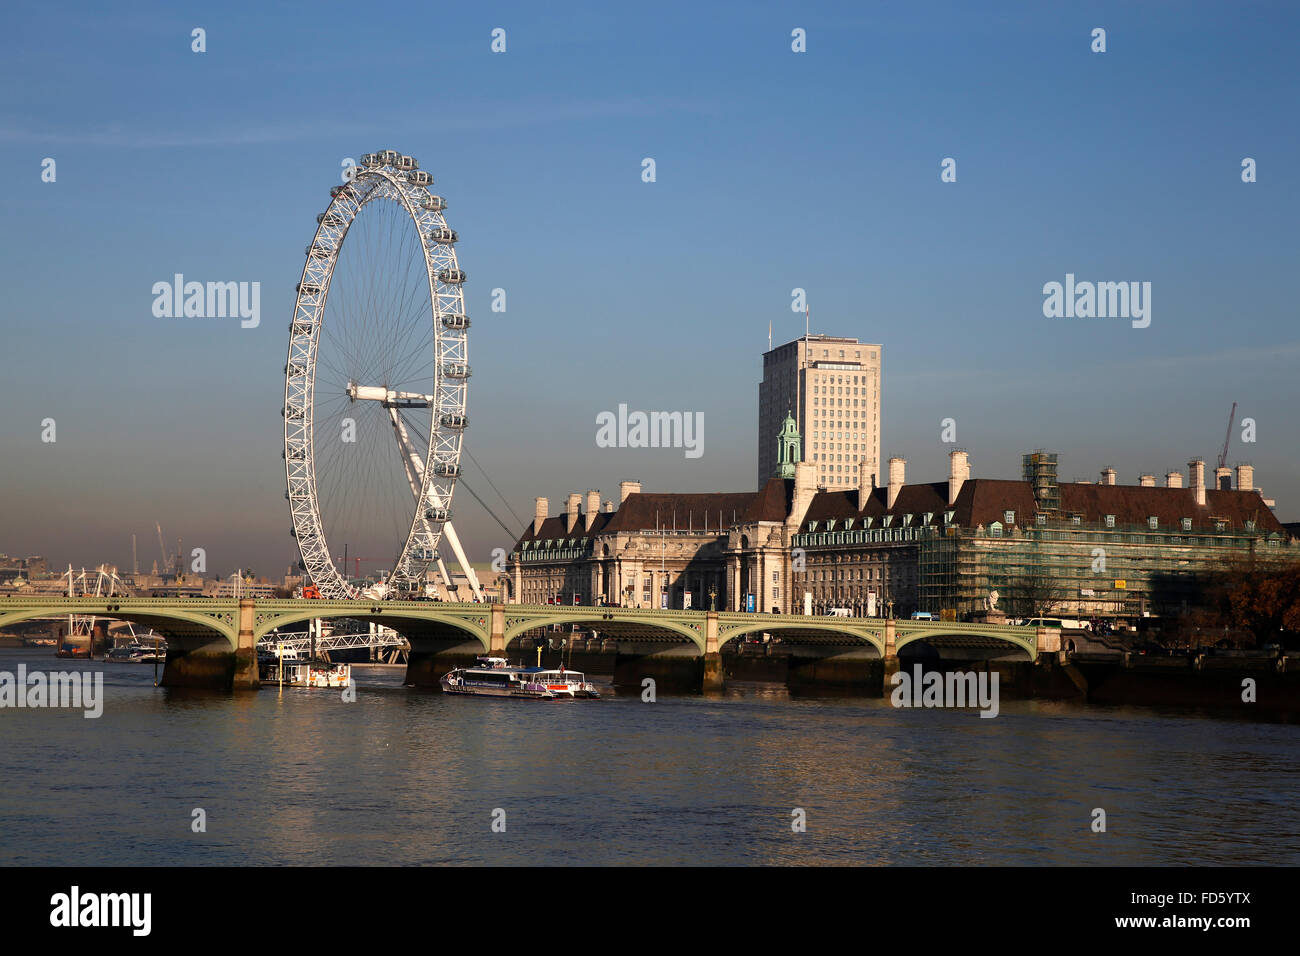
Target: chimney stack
{"x": 958, "y": 472}
{"x": 1196, "y": 474}
{"x": 609, "y": 507}
{"x": 571, "y": 512}
{"x": 1223, "y": 479}
{"x": 866, "y": 484}
{"x": 1174, "y": 479}
{"x": 626, "y": 488}
{"x": 1107, "y": 476}
{"x": 1147, "y": 481}
{"x": 593, "y": 507}
{"x": 896, "y": 473}
{"x": 1245, "y": 478}
{"x": 539, "y": 514}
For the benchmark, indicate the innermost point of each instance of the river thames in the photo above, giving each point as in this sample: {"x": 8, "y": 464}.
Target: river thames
{"x": 405, "y": 776}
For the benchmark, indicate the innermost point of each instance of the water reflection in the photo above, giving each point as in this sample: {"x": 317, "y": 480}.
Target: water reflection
{"x": 411, "y": 776}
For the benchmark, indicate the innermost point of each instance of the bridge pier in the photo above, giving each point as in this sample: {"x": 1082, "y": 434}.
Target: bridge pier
{"x": 713, "y": 679}
{"x": 246, "y": 675}
{"x": 208, "y": 664}
{"x": 891, "y": 654}
{"x": 497, "y": 640}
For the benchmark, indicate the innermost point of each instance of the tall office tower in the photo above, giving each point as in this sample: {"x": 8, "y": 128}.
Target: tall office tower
{"x": 831, "y": 385}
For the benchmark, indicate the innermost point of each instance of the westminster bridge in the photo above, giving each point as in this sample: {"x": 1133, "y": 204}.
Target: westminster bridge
{"x": 212, "y": 642}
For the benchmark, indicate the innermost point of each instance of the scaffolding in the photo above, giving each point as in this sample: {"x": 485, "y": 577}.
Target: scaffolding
{"x": 1055, "y": 567}
{"x": 1039, "y": 469}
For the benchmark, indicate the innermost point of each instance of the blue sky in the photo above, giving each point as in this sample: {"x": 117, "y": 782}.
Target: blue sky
{"x": 775, "y": 170}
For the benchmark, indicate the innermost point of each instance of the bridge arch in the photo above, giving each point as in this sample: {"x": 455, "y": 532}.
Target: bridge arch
{"x": 386, "y": 614}
{"x": 164, "y": 620}
{"x": 603, "y": 619}
{"x": 1003, "y": 635}
{"x": 832, "y": 627}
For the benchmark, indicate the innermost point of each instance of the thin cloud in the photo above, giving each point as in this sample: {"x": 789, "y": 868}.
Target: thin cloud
{"x": 483, "y": 118}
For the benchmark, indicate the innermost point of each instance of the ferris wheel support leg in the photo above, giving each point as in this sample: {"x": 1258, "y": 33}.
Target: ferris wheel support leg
{"x": 446, "y": 579}
{"x": 454, "y": 540}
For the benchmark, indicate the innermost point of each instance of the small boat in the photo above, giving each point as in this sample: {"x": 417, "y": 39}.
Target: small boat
{"x": 494, "y": 677}
{"x": 125, "y": 654}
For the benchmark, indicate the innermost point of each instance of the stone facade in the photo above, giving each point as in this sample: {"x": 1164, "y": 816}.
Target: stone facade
{"x": 958, "y": 548}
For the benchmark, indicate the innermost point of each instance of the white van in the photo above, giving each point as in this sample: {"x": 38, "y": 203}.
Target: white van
{"x": 1063, "y": 623}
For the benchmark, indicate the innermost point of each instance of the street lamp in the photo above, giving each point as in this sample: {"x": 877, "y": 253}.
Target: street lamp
{"x": 713, "y": 595}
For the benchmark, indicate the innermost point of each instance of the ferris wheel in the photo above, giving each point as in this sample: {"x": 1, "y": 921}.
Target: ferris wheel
{"x": 376, "y": 384}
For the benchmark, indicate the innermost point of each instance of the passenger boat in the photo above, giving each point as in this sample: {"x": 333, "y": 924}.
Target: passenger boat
{"x": 292, "y": 671}
{"x": 495, "y": 677}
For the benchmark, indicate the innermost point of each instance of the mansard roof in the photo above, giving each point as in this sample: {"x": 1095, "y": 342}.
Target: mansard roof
{"x": 983, "y": 501}
{"x": 912, "y": 499}
{"x": 1133, "y": 504}
{"x": 555, "y": 528}
{"x": 714, "y": 511}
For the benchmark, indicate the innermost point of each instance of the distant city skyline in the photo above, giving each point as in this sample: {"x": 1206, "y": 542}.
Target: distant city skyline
{"x": 774, "y": 171}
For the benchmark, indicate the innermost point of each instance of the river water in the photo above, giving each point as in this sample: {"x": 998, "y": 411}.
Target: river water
{"x": 405, "y": 776}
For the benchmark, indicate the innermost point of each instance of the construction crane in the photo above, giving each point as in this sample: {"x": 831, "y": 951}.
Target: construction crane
{"x": 1223, "y": 455}
{"x": 162, "y": 548}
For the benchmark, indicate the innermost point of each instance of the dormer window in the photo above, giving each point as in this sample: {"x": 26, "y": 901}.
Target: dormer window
{"x": 848, "y": 524}
{"x": 1110, "y": 521}
{"x": 948, "y": 516}
{"x": 812, "y": 526}
{"x": 929, "y": 516}
{"x": 1009, "y": 517}
{"x": 1153, "y": 522}
{"x": 907, "y": 520}
{"x": 1187, "y": 524}
{"x": 830, "y": 525}
{"x": 1076, "y": 519}
{"x": 866, "y": 522}
{"x": 887, "y": 521}
{"x": 995, "y": 529}
{"x": 1040, "y": 520}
